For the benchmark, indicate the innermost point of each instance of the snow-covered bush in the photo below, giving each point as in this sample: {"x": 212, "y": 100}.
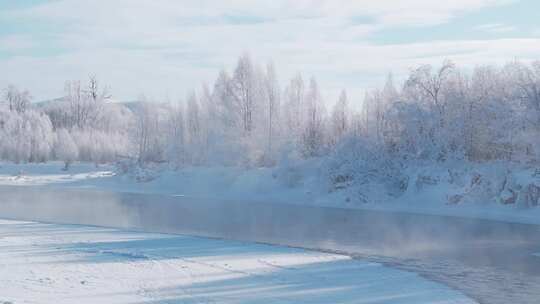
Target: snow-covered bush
{"x": 357, "y": 163}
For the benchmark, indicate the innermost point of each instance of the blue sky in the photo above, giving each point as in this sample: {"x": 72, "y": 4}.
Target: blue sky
{"x": 165, "y": 48}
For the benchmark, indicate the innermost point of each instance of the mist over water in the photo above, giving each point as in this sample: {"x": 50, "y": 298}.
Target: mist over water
{"x": 490, "y": 261}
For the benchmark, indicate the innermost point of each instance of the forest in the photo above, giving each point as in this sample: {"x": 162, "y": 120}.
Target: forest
{"x": 249, "y": 118}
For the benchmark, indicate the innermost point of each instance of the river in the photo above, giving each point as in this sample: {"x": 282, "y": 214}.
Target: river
{"x": 489, "y": 261}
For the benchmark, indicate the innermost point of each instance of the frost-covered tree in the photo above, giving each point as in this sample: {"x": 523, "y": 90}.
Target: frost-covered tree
{"x": 313, "y": 135}
{"x": 526, "y": 79}
{"x": 85, "y": 104}
{"x": 429, "y": 86}
{"x": 65, "y": 148}
{"x": 26, "y": 137}
{"x": 209, "y": 120}
{"x": 429, "y": 89}
{"x": 294, "y": 105}
{"x": 177, "y": 149}
{"x": 244, "y": 118}
{"x": 17, "y": 100}
{"x": 195, "y": 129}
{"x": 340, "y": 118}
{"x": 224, "y": 123}
{"x": 272, "y": 94}
{"x": 149, "y": 135}
{"x": 194, "y": 119}
{"x": 244, "y": 90}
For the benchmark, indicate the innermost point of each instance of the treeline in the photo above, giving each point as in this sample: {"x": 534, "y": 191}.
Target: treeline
{"x": 248, "y": 118}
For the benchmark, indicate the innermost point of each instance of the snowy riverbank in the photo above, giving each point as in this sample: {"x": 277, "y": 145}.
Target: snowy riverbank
{"x": 43, "y": 263}
{"x": 491, "y": 191}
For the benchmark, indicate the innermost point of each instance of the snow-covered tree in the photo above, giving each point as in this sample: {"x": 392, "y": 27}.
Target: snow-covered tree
{"x": 313, "y": 136}
{"x": 26, "y": 137}
{"x": 149, "y": 136}
{"x": 340, "y": 118}
{"x": 430, "y": 86}
{"x": 245, "y": 119}
{"x": 17, "y": 100}
{"x": 65, "y": 148}
{"x": 85, "y": 104}
{"x": 294, "y": 105}
{"x": 272, "y": 94}
{"x": 244, "y": 92}
{"x": 177, "y": 150}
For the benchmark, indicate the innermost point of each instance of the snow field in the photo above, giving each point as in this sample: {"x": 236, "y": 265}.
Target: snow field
{"x": 47, "y": 263}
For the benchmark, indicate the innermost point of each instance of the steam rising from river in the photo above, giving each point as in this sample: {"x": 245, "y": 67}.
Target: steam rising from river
{"x": 356, "y": 231}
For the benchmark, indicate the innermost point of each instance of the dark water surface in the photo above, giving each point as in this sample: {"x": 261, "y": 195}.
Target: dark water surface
{"x": 489, "y": 261}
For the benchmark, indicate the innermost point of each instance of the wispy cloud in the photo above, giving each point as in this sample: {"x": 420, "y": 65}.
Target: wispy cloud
{"x": 16, "y": 42}
{"x": 497, "y": 28}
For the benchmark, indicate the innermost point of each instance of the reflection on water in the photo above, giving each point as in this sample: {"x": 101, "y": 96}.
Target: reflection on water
{"x": 490, "y": 261}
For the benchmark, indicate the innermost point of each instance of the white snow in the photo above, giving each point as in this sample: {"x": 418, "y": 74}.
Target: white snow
{"x": 48, "y": 263}
{"x": 50, "y": 173}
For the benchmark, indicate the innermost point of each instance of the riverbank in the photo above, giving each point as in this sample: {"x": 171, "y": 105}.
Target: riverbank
{"x": 490, "y": 191}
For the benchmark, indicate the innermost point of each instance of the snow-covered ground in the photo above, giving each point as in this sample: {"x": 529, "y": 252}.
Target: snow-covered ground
{"x": 48, "y": 263}
{"x": 51, "y": 173}
{"x": 430, "y": 190}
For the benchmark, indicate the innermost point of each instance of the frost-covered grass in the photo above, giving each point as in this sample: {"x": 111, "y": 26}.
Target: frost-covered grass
{"x": 47, "y": 263}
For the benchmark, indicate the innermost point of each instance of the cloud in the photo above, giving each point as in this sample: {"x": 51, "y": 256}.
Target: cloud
{"x": 496, "y": 28}
{"x": 165, "y": 48}
{"x": 15, "y": 43}
{"x": 168, "y": 73}
{"x": 142, "y": 24}
{"x": 132, "y": 12}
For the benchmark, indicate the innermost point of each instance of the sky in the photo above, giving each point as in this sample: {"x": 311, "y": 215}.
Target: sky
{"x": 166, "y": 48}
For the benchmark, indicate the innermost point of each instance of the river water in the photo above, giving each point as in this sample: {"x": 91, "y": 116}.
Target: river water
{"x": 490, "y": 261}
